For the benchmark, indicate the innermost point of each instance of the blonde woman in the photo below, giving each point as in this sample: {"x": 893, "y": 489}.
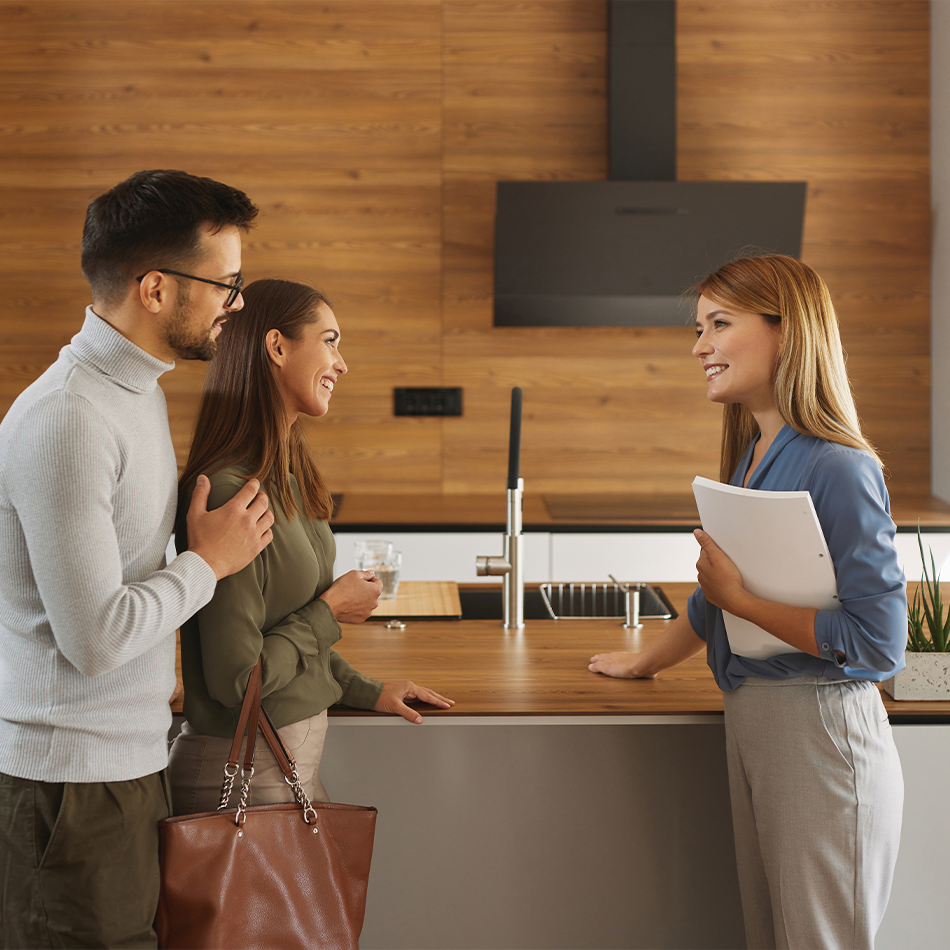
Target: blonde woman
{"x": 814, "y": 775}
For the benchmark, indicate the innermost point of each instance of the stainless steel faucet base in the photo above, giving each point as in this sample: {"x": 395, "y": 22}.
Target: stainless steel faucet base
{"x": 510, "y": 565}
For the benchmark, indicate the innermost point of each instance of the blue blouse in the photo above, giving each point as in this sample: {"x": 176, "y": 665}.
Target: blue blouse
{"x": 854, "y": 511}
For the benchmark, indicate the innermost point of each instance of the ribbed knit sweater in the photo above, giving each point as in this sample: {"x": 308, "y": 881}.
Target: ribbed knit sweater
{"x": 88, "y": 607}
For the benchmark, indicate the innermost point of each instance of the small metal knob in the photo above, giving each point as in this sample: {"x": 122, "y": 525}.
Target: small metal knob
{"x": 491, "y": 566}
{"x": 631, "y": 601}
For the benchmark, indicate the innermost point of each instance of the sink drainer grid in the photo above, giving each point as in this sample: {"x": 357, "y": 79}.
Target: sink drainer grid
{"x": 591, "y": 601}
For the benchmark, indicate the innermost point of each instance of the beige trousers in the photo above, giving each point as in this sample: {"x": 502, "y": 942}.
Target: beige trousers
{"x": 817, "y": 797}
{"x": 196, "y": 767}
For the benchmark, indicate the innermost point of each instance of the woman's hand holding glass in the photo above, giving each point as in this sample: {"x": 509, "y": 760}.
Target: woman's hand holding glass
{"x": 354, "y": 596}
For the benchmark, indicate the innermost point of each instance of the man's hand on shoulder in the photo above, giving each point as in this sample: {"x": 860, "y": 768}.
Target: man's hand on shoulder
{"x": 229, "y": 537}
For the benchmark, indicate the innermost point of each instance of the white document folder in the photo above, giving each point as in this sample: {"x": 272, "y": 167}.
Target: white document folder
{"x": 775, "y": 540}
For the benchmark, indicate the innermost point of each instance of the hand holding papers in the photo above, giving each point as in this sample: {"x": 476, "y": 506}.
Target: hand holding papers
{"x": 776, "y": 542}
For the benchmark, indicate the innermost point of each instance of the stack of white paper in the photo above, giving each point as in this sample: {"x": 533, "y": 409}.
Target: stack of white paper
{"x": 775, "y": 540}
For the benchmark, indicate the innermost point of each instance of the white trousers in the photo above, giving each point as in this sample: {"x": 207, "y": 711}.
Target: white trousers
{"x": 196, "y": 767}
{"x": 817, "y": 797}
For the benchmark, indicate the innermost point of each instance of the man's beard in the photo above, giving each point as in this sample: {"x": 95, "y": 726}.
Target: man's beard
{"x": 184, "y": 342}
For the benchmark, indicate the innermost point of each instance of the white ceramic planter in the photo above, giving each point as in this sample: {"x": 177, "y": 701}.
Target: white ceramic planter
{"x": 926, "y": 676}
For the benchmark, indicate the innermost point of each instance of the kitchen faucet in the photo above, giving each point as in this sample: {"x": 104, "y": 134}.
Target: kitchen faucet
{"x": 511, "y": 564}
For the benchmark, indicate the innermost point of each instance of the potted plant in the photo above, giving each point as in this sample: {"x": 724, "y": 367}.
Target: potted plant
{"x": 927, "y": 673}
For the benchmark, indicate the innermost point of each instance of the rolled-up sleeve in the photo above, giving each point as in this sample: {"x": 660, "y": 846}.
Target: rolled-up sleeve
{"x": 870, "y": 629}
{"x": 696, "y": 611}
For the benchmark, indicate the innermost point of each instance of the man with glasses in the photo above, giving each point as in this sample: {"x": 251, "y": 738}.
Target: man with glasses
{"x": 88, "y": 606}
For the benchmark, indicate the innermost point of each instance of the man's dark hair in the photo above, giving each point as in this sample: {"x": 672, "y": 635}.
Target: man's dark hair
{"x": 154, "y": 219}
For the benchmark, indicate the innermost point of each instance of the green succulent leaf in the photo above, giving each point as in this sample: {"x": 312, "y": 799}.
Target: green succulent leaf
{"x": 927, "y": 630}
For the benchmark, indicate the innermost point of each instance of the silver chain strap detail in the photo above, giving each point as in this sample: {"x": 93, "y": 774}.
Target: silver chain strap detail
{"x": 227, "y": 786}
{"x": 309, "y": 812}
{"x": 241, "y": 815}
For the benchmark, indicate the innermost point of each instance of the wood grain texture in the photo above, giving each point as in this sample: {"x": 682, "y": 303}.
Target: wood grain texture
{"x": 327, "y": 114}
{"x": 653, "y": 509}
{"x": 416, "y": 599}
{"x": 542, "y": 670}
{"x": 835, "y": 93}
{"x": 372, "y": 132}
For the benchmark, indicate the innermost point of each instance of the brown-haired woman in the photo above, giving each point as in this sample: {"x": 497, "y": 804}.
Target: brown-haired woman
{"x": 280, "y": 359}
{"x": 814, "y": 775}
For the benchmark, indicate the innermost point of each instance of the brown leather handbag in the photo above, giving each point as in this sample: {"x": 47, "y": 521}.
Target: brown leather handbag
{"x": 288, "y": 876}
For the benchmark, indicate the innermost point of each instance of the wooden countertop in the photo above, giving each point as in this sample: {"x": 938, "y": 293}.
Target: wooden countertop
{"x": 554, "y": 512}
{"x": 542, "y": 670}
{"x": 539, "y": 671}
{"x": 421, "y": 600}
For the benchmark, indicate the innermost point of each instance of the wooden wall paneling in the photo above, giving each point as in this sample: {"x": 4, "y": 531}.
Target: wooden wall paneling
{"x": 371, "y": 134}
{"x": 44, "y": 291}
{"x": 327, "y": 114}
{"x": 375, "y": 251}
{"x": 837, "y": 94}
{"x": 617, "y": 410}
{"x": 525, "y": 98}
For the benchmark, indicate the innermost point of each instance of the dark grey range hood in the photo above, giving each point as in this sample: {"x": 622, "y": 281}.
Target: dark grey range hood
{"x": 622, "y": 252}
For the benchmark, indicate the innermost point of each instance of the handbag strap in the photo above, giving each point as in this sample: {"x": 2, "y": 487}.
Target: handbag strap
{"x": 252, "y": 696}
{"x": 249, "y": 707}
{"x": 252, "y": 702}
{"x": 272, "y": 737}
{"x": 252, "y": 723}
{"x": 249, "y": 721}
{"x": 254, "y": 716}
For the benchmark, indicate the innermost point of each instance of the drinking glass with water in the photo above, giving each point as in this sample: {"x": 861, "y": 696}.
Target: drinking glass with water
{"x": 379, "y": 556}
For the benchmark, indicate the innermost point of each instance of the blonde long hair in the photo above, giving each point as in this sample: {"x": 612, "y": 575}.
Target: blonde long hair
{"x": 812, "y": 390}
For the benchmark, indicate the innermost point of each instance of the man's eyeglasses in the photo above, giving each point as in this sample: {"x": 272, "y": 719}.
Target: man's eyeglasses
{"x": 233, "y": 289}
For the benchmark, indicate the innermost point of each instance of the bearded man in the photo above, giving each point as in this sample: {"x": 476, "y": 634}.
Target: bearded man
{"x": 88, "y": 604}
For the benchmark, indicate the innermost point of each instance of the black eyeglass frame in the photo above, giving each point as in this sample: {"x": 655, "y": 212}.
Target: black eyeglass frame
{"x": 234, "y": 289}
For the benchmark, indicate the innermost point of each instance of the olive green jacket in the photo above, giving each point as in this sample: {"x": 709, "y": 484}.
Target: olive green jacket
{"x": 270, "y": 609}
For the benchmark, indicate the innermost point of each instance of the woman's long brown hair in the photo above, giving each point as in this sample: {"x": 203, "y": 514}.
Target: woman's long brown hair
{"x": 241, "y": 416}
{"x": 812, "y": 390}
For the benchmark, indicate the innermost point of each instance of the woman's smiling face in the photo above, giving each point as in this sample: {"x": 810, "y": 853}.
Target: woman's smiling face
{"x": 311, "y": 366}
{"x": 738, "y": 351}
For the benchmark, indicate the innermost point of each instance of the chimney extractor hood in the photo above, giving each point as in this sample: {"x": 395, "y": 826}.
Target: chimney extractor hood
{"x": 621, "y": 253}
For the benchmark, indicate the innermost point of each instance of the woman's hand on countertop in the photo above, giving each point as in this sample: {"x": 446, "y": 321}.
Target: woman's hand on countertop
{"x": 677, "y": 643}
{"x": 621, "y": 665}
{"x": 354, "y": 596}
{"x": 393, "y": 694}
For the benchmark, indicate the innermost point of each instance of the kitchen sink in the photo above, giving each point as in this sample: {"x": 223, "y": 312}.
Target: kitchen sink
{"x": 573, "y": 600}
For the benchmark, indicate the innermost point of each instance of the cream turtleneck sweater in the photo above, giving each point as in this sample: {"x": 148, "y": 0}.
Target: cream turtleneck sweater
{"x": 88, "y": 607}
